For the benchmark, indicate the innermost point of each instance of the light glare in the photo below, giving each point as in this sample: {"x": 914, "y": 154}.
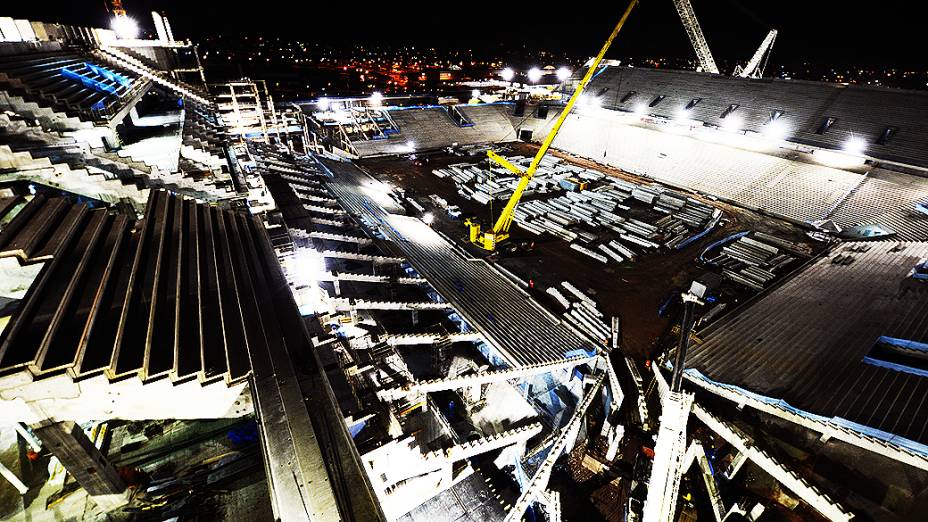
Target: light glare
{"x": 507, "y": 74}
{"x": 732, "y": 122}
{"x": 534, "y": 74}
{"x": 855, "y": 145}
{"x": 125, "y": 28}
{"x": 776, "y": 130}
{"x": 590, "y": 101}
{"x": 563, "y": 74}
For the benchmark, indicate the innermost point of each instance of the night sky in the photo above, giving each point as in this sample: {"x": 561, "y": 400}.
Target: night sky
{"x": 849, "y": 32}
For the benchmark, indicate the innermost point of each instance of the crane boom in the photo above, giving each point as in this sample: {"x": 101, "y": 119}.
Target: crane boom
{"x": 697, "y": 39}
{"x": 500, "y": 231}
{"x": 753, "y": 68}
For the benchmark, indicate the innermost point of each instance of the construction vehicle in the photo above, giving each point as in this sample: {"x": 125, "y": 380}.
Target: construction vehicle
{"x": 490, "y": 238}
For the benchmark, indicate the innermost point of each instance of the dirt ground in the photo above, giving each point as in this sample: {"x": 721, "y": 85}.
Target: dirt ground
{"x": 632, "y": 291}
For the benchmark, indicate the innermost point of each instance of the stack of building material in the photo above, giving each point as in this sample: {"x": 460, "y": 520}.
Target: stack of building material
{"x": 582, "y": 313}
{"x": 753, "y": 261}
{"x": 590, "y": 219}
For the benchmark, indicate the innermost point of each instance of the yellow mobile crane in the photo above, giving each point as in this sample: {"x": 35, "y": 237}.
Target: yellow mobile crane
{"x": 500, "y": 231}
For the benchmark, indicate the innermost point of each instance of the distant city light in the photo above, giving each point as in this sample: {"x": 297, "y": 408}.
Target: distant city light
{"x": 507, "y": 74}
{"x": 563, "y": 74}
{"x": 534, "y": 74}
{"x": 855, "y": 145}
{"x": 125, "y": 27}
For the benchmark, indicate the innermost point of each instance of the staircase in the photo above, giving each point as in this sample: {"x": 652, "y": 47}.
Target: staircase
{"x": 60, "y": 161}
{"x": 124, "y": 60}
{"x": 48, "y": 117}
{"x": 92, "y": 182}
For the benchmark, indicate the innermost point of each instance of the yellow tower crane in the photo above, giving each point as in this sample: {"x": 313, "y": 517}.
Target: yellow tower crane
{"x": 116, "y": 8}
{"x": 490, "y": 238}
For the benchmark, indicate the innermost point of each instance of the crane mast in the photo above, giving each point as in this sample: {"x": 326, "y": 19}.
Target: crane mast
{"x": 500, "y": 231}
{"x": 754, "y": 68}
{"x": 697, "y": 39}
{"x": 116, "y": 8}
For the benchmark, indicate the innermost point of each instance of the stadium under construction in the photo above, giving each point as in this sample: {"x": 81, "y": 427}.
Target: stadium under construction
{"x": 615, "y": 293}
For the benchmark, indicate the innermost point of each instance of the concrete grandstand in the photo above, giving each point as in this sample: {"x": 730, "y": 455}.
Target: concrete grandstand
{"x": 168, "y": 255}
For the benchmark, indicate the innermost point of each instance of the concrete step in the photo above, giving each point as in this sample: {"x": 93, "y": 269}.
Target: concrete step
{"x": 48, "y": 117}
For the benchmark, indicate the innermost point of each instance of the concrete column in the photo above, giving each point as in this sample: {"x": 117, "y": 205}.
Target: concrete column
{"x": 67, "y": 441}
{"x": 474, "y": 393}
{"x": 134, "y": 116}
{"x": 615, "y": 438}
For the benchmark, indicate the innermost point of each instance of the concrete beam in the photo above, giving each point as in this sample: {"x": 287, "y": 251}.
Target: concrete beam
{"x": 68, "y": 442}
{"x": 337, "y": 254}
{"x": 479, "y": 379}
{"x": 340, "y": 237}
{"x": 428, "y": 338}
{"x": 346, "y": 305}
{"x": 793, "y": 482}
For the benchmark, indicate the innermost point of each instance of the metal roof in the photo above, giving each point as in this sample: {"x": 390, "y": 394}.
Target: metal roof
{"x": 806, "y": 341}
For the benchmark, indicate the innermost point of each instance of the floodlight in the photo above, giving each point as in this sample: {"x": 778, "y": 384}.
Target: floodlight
{"x": 125, "y": 27}
{"x": 563, "y": 74}
{"x": 428, "y": 218}
{"x": 507, "y": 74}
{"x": 534, "y": 74}
{"x": 776, "y": 130}
{"x": 855, "y": 145}
{"x": 732, "y": 122}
